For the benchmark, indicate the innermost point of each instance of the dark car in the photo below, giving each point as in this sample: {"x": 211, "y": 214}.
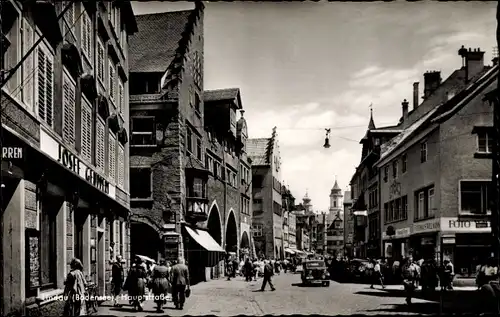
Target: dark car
{"x": 358, "y": 270}
{"x": 315, "y": 272}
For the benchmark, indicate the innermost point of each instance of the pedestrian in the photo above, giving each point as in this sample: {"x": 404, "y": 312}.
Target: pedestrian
{"x": 135, "y": 284}
{"x": 74, "y": 290}
{"x": 377, "y": 276}
{"x": 180, "y": 283}
{"x": 268, "y": 274}
{"x": 117, "y": 279}
{"x": 447, "y": 275}
{"x": 235, "y": 265}
{"x": 160, "y": 284}
{"x": 487, "y": 273}
{"x": 410, "y": 276}
{"x": 248, "y": 269}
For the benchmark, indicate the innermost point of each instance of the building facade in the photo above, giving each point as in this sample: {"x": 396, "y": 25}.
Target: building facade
{"x": 435, "y": 175}
{"x": 267, "y": 218}
{"x": 335, "y": 236}
{"x": 348, "y": 225}
{"x": 292, "y": 231}
{"x": 189, "y": 171}
{"x": 65, "y": 189}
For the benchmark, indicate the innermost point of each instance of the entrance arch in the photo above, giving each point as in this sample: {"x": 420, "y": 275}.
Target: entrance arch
{"x": 231, "y": 233}
{"x": 214, "y": 224}
{"x": 144, "y": 240}
{"x": 245, "y": 241}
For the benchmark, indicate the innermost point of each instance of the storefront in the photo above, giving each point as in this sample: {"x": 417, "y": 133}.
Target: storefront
{"x": 56, "y": 207}
{"x": 396, "y": 243}
{"x": 467, "y": 243}
{"x": 424, "y": 241}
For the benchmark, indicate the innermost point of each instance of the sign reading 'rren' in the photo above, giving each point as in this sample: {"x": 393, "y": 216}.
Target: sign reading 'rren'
{"x": 12, "y": 152}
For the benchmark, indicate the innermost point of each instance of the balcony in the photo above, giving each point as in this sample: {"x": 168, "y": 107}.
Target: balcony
{"x": 197, "y": 209}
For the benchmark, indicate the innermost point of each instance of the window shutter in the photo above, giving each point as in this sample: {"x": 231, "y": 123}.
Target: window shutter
{"x": 120, "y": 97}
{"x": 68, "y": 111}
{"x": 28, "y": 67}
{"x": 112, "y": 156}
{"x": 84, "y": 33}
{"x": 49, "y": 90}
{"x": 86, "y": 142}
{"x": 69, "y": 15}
{"x": 41, "y": 79}
{"x": 100, "y": 62}
{"x": 89, "y": 38}
{"x": 100, "y": 145}
{"x": 111, "y": 81}
{"x": 121, "y": 166}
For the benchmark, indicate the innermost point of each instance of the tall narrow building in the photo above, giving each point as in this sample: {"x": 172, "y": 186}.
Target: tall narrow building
{"x": 336, "y": 206}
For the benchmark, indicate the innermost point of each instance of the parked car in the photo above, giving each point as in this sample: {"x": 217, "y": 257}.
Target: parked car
{"x": 315, "y": 272}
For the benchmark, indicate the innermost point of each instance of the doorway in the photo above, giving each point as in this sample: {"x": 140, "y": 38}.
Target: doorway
{"x": 100, "y": 263}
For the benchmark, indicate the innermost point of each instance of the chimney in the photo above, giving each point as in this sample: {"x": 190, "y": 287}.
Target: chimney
{"x": 472, "y": 61}
{"x": 432, "y": 80}
{"x": 415, "y": 95}
{"x": 405, "y": 109}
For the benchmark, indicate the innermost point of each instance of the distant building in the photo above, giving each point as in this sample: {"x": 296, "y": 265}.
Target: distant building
{"x": 292, "y": 231}
{"x": 267, "y": 201}
{"x": 336, "y": 206}
{"x": 348, "y": 225}
{"x": 335, "y": 238}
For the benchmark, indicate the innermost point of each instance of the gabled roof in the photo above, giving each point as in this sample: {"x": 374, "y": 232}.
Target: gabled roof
{"x": 257, "y": 150}
{"x": 153, "y": 48}
{"x": 229, "y": 94}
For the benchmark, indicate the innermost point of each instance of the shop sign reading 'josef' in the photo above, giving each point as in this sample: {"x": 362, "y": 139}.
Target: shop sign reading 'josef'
{"x": 73, "y": 163}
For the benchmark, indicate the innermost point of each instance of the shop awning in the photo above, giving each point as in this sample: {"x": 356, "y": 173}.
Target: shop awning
{"x": 288, "y": 250}
{"x": 204, "y": 239}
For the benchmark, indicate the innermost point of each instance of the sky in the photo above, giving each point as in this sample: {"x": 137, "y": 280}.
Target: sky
{"x": 304, "y": 67}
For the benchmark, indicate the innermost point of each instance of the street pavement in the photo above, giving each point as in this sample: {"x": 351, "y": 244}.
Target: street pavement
{"x": 230, "y": 298}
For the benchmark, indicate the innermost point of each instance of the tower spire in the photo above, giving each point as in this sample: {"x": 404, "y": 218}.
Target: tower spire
{"x": 371, "y": 124}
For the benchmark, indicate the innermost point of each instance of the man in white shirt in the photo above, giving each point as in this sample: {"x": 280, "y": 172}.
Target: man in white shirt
{"x": 377, "y": 274}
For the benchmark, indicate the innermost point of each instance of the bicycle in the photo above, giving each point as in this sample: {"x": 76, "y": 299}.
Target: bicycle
{"x": 92, "y": 297}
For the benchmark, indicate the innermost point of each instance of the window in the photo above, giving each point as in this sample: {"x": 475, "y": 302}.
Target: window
{"x": 386, "y": 173}
{"x": 245, "y": 205}
{"x": 199, "y": 154}
{"x": 45, "y": 85}
{"x": 141, "y": 186}
{"x": 79, "y": 223}
{"x": 112, "y": 156}
{"x": 197, "y": 102}
{"x": 404, "y": 162}
{"x": 257, "y": 181}
{"x": 111, "y": 82}
{"x": 69, "y": 16}
{"x": 100, "y": 62}
{"x": 424, "y": 203}
{"x": 28, "y": 88}
{"x": 209, "y": 163}
{"x": 189, "y": 140}
{"x": 100, "y": 143}
{"x": 423, "y": 152}
{"x": 68, "y": 124}
{"x": 395, "y": 169}
{"x": 121, "y": 99}
{"x": 474, "y": 197}
{"x": 484, "y": 142}
{"x": 121, "y": 166}
{"x": 217, "y": 170}
{"x": 86, "y": 133}
{"x": 396, "y": 210}
{"x": 404, "y": 207}
{"x": 196, "y": 187}
{"x": 197, "y": 65}
{"x": 257, "y": 230}
{"x": 86, "y": 38}
{"x": 48, "y": 241}
{"x": 143, "y": 131}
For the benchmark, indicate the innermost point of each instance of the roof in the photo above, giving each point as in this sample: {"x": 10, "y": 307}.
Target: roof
{"x": 257, "y": 151}
{"x": 153, "y": 47}
{"x": 221, "y": 94}
{"x": 388, "y": 147}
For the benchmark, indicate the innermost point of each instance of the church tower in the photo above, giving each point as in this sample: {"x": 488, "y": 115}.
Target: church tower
{"x": 306, "y": 202}
{"x": 336, "y": 205}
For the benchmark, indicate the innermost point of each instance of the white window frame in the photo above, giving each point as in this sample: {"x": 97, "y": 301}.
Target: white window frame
{"x": 87, "y": 47}
{"x": 112, "y": 81}
{"x": 101, "y": 63}
{"x": 86, "y": 104}
{"x": 49, "y": 54}
{"x": 421, "y": 205}
{"x": 430, "y": 202}
{"x": 258, "y": 230}
{"x": 28, "y": 75}
{"x": 487, "y": 140}
{"x": 112, "y": 159}
{"x": 70, "y": 136}
{"x": 424, "y": 149}
{"x": 99, "y": 158}
{"x": 465, "y": 212}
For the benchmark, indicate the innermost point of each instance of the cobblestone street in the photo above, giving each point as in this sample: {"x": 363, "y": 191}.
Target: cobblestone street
{"x": 229, "y": 298}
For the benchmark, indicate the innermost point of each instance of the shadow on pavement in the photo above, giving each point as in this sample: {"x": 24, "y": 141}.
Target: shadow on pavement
{"x": 420, "y": 308}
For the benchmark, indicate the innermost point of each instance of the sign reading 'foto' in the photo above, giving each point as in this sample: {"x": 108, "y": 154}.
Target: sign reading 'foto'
{"x": 453, "y": 224}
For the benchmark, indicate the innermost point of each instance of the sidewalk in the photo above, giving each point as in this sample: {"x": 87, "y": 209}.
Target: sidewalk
{"x": 204, "y": 300}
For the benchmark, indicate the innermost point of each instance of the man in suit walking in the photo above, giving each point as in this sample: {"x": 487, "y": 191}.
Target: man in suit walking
{"x": 180, "y": 282}
{"x": 268, "y": 274}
